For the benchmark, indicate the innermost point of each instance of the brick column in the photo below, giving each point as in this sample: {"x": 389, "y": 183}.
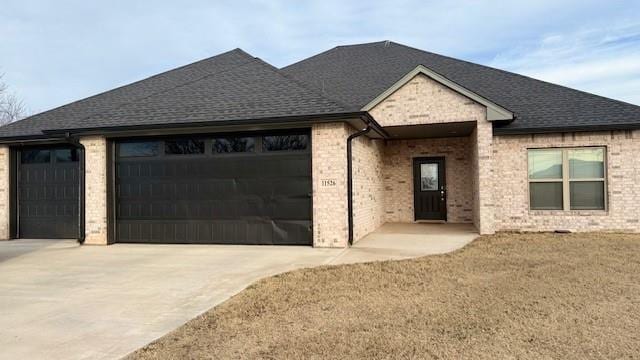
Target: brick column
{"x": 95, "y": 152}
{"x": 483, "y": 182}
{"x": 329, "y": 162}
{"x": 4, "y": 193}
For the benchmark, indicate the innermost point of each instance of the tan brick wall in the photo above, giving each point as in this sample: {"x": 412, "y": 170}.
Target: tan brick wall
{"x": 398, "y": 177}
{"x": 4, "y": 192}
{"x": 95, "y": 189}
{"x": 329, "y": 171}
{"x": 368, "y": 186}
{"x": 482, "y": 174}
{"x": 426, "y": 101}
{"x": 623, "y": 183}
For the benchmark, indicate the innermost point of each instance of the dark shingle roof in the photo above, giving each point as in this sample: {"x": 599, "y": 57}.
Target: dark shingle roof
{"x": 230, "y": 86}
{"x": 236, "y": 86}
{"x": 356, "y": 74}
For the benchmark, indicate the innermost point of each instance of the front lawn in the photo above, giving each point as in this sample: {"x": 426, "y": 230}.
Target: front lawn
{"x": 503, "y": 296}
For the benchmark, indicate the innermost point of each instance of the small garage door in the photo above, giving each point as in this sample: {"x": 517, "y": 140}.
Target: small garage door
{"x": 242, "y": 189}
{"x": 48, "y": 193}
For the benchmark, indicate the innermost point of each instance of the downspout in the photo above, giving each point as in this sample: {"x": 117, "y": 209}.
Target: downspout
{"x": 350, "y": 178}
{"x": 81, "y": 179}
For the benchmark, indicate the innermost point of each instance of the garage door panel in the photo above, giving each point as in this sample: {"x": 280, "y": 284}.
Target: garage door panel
{"x": 238, "y": 198}
{"x": 48, "y": 193}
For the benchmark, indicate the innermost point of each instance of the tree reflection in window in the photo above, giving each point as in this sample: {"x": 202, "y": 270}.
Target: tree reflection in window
{"x": 285, "y": 143}
{"x": 233, "y": 145}
{"x": 184, "y": 146}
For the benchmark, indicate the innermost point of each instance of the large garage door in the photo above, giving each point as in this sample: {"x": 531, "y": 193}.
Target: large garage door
{"x": 48, "y": 196}
{"x": 245, "y": 189}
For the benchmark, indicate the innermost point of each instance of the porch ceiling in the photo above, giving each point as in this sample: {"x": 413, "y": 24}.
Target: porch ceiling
{"x": 452, "y": 129}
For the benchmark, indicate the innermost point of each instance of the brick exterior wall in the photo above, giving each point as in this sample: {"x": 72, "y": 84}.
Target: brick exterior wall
{"x": 398, "y": 177}
{"x": 329, "y": 172}
{"x": 4, "y": 193}
{"x": 368, "y": 186}
{"x": 511, "y": 187}
{"x": 482, "y": 175}
{"x": 95, "y": 148}
{"x": 426, "y": 101}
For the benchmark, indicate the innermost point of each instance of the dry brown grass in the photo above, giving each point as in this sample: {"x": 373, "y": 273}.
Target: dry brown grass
{"x": 503, "y": 296}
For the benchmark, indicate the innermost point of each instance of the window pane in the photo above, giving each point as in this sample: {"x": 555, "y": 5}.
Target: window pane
{"x": 184, "y": 146}
{"x": 428, "y": 177}
{"x": 285, "y": 142}
{"x": 586, "y": 163}
{"x": 233, "y": 144}
{"x": 587, "y": 195}
{"x": 35, "y": 156}
{"x": 545, "y": 164}
{"x": 142, "y": 148}
{"x": 66, "y": 155}
{"x": 545, "y": 196}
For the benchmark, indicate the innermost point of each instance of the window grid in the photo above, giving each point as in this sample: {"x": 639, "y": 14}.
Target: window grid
{"x": 566, "y": 179}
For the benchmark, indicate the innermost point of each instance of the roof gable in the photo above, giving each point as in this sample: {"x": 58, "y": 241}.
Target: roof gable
{"x": 494, "y": 111}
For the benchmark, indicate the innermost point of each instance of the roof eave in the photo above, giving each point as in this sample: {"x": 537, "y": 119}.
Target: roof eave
{"x": 561, "y": 129}
{"x": 213, "y": 126}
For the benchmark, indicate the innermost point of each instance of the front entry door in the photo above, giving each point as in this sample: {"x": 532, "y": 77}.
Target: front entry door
{"x": 429, "y": 189}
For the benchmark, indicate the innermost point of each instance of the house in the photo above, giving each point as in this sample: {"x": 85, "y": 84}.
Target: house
{"x": 233, "y": 150}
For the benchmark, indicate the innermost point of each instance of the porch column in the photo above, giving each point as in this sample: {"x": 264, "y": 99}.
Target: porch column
{"x": 483, "y": 182}
{"x": 4, "y": 193}
{"x": 329, "y": 172}
{"x": 95, "y": 152}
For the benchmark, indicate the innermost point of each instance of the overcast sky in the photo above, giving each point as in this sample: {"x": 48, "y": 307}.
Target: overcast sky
{"x": 54, "y": 52}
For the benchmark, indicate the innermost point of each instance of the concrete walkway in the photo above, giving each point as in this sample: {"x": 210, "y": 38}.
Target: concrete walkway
{"x": 65, "y": 301}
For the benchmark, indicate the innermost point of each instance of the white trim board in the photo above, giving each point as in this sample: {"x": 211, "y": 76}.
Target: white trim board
{"x": 494, "y": 111}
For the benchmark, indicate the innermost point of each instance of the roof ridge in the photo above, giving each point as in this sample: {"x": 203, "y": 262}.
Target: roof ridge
{"x": 310, "y": 57}
{"x": 514, "y": 74}
{"x": 253, "y": 59}
{"x": 238, "y": 50}
{"x": 304, "y": 85}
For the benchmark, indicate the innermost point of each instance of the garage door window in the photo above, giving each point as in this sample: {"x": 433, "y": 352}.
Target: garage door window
{"x": 184, "y": 147}
{"x": 139, "y": 149}
{"x": 233, "y": 145}
{"x": 285, "y": 143}
{"x": 66, "y": 155}
{"x": 35, "y": 156}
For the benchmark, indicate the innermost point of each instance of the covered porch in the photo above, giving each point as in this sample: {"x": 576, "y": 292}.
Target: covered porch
{"x": 423, "y": 177}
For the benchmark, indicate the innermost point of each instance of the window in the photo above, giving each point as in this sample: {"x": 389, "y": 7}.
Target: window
{"x": 567, "y": 179}
{"x": 233, "y": 145}
{"x": 545, "y": 179}
{"x": 586, "y": 178}
{"x": 66, "y": 155}
{"x": 139, "y": 149}
{"x": 184, "y": 146}
{"x": 285, "y": 143}
{"x": 35, "y": 156}
{"x": 428, "y": 177}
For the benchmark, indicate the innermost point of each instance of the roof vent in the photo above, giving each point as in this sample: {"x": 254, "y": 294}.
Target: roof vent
{"x": 386, "y": 43}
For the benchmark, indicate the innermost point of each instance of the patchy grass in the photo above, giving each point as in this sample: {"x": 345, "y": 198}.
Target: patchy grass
{"x": 503, "y": 296}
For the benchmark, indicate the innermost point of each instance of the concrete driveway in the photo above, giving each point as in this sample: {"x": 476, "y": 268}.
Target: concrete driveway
{"x": 65, "y": 301}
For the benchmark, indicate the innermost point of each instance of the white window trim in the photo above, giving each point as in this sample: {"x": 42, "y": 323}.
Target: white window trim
{"x": 566, "y": 181}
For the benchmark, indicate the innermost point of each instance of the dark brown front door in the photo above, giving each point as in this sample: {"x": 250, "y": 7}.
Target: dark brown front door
{"x": 429, "y": 189}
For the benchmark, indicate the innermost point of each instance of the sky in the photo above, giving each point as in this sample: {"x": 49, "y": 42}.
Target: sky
{"x": 55, "y": 52}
